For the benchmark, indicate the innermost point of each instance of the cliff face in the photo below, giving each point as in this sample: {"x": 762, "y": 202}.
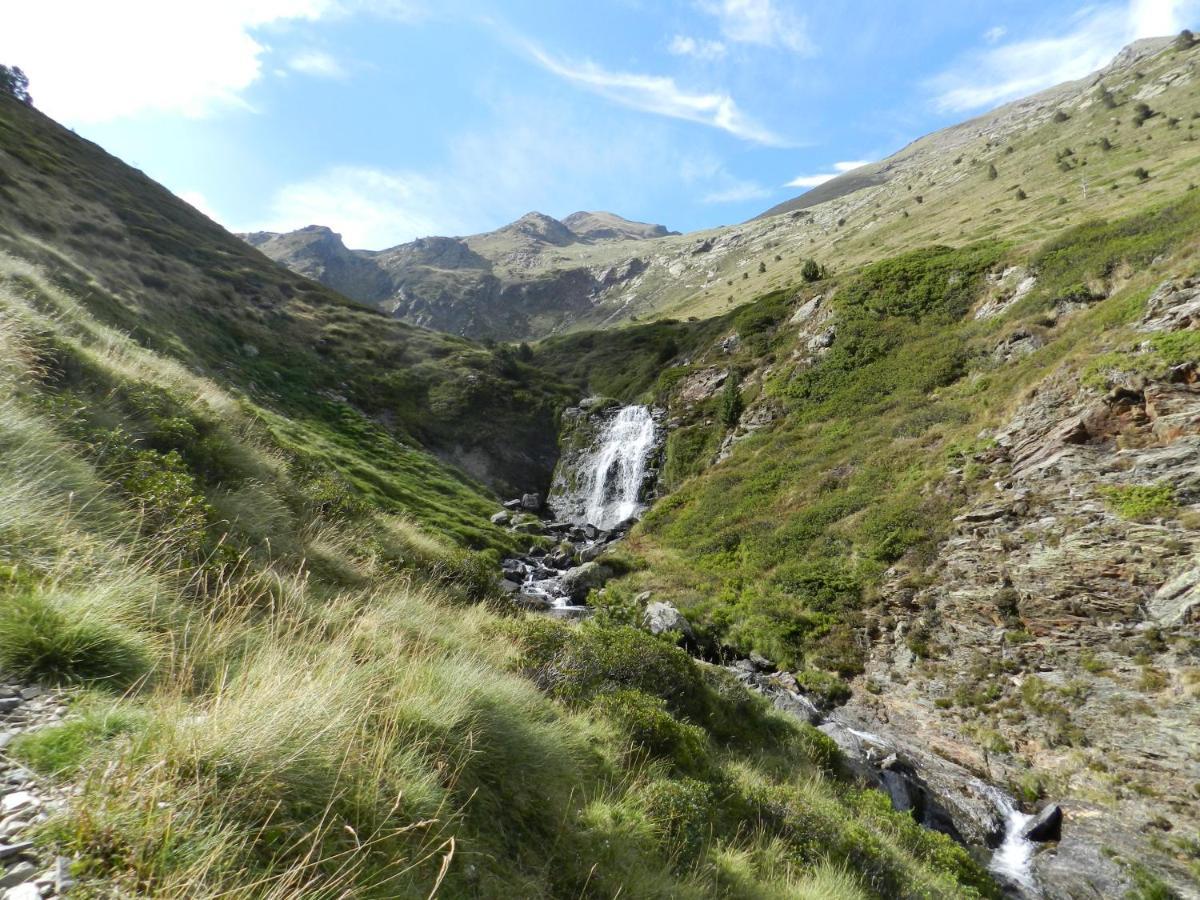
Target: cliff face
{"x": 1058, "y": 620}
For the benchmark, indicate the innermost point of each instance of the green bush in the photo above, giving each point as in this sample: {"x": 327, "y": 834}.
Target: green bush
{"x": 654, "y": 730}
{"x": 40, "y": 641}
{"x": 682, "y": 814}
{"x": 1140, "y": 501}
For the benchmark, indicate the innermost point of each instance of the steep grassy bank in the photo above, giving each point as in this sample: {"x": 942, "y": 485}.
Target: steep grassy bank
{"x": 368, "y": 391}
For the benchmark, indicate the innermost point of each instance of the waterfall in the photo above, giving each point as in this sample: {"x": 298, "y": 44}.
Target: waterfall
{"x": 610, "y": 478}
{"x": 1012, "y": 861}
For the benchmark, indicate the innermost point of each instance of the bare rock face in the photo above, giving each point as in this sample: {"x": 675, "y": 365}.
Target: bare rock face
{"x": 1058, "y": 630}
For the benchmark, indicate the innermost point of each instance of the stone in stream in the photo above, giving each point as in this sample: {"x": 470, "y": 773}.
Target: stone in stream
{"x": 1045, "y": 826}
{"x": 760, "y": 662}
{"x": 509, "y": 587}
{"x": 579, "y": 581}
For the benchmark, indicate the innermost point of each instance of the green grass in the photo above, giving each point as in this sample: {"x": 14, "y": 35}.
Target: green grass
{"x": 1140, "y": 501}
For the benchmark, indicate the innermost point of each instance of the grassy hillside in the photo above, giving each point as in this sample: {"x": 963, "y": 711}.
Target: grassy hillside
{"x": 286, "y": 676}
{"x": 346, "y": 378}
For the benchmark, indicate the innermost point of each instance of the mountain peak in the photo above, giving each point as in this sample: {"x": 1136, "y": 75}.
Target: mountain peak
{"x": 606, "y": 226}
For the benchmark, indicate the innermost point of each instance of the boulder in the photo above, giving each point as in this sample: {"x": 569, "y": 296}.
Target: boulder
{"x": 1045, "y": 826}
{"x": 761, "y": 663}
{"x": 528, "y": 528}
{"x": 663, "y": 617}
{"x": 532, "y": 602}
{"x": 501, "y": 518}
{"x": 509, "y": 587}
{"x": 531, "y": 502}
{"x": 579, "y": 581}
{"x": 591, "y": 552}
{"x": 512, "y": 504}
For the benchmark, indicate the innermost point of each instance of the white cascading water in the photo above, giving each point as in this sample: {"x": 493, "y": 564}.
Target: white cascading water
{"x": 1012, "y": 861}
{"x": 612, "y": 479}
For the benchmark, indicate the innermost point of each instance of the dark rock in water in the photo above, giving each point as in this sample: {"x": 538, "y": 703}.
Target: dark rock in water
{"x": 623, "y": 526}
{"x": 531, "y": 502}
{"x": 532, "y": 602}
{"x": 559, "y": 527}
{"x": 537, "y": 552}
{"x": 1045, "y": 826}
{"x": 513, "y": 569}
{"x": 561, "y": 558}
{"x": 512, "y": 504}
{"x": 660, "y": 618}
{"x": 590, "y": 532}
{"x": 501, "y": 518}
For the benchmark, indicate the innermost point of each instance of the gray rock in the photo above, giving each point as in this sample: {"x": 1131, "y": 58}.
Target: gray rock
{"x": 509, "y": 587}
{"x": 501, "y": 518}
{"x": 661, "y": 617}
{"x": 532, "y": 602}
{"x": 591, "y": 553}
{"x": 1045, "y": 826}
{"x": 27, "y": 891}
{"x": 9, "y": 704}
{"x": 18, "y": 874}
{"x": 761, "y": 663}
{"x": 18, "y": 801}
{"x": 512, "y": 504}
{"x": 7, "y": 851}
{"x": 531, "y": 502}
{"x": 579, "y": 581}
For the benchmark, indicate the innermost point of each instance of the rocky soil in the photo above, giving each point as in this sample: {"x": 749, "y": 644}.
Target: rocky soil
{"x": 29, "y": 872}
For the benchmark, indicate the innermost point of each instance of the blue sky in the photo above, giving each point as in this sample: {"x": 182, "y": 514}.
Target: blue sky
{"x": 392, "y": 119}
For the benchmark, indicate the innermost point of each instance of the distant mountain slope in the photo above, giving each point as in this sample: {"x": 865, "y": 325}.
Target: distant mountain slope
{"x": 1072, "y": 152}
{"x": 514, "y": 282}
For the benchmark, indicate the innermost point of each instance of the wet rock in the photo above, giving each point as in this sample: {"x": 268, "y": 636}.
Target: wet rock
{"x": 661, "y": 617}
{"x": 1045, "y": 826}
{"x": 532, "y": 602}
{"x": 9, "y": 704}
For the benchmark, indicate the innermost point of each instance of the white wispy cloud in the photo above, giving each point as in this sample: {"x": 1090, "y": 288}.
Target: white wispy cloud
{"x": 994, "y": 34}
{"x": 1084, "y": 43}
{"x": 765, "y": 23}
{"x": 199, "y": 202}
{"x": 317, "y": 63}
{"x": 699, "y": 48}
{"x": 839, "y": 168}
{"x": 737, "y": 192}
{"x": 659, "y": 94}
